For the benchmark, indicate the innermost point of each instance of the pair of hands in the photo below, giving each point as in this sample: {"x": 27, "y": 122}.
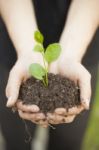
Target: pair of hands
{"x": 67, "y": 67}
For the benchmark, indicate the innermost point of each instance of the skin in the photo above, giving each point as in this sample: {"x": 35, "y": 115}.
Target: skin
{"x": 82, "y": 22}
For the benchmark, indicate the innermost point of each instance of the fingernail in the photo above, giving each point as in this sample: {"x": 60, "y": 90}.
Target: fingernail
{"x": 10, "y": 102}
{"x": 35, "y": 108}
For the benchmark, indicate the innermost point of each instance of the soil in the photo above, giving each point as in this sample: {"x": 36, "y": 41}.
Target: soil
{"x": 61, "y": 92}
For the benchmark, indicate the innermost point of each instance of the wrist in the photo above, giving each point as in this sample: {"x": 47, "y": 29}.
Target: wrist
{"x": 71, "y": 49}
{"x": 69, "y": 55}
{"x": 29, "y": 57}
{"x": 25, "y": 48}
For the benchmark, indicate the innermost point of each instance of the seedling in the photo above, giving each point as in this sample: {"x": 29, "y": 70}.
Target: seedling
{"x": 50, "y": 54}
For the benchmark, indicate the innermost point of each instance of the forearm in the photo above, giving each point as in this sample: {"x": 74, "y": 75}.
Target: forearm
{"x": 82, "y": 22}
{"x": 19, "y": 18}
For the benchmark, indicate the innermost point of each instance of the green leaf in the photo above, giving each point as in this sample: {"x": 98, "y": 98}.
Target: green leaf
{"x": 38, "y": 48}
{"x": 52, "y": 52}
{"x": 38, "y": 36}
{"x": 37, "y": 71}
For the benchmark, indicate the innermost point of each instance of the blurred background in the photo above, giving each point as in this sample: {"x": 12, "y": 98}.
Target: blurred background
{"x": 91, "y": 138}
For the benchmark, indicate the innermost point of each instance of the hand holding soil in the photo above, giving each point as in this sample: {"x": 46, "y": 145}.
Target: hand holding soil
{"x": 81, "y": 77}
{"x": 61, "y": 114}
{"x": 68, "y": 100}
{"x": 60, "y": 101}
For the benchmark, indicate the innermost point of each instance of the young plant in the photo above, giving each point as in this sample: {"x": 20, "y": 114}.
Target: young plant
{"x": 50, "y": 54}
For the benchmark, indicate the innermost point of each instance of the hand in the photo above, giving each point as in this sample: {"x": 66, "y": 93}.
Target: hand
{"x": 19, "y": 74}
{"x": 76, "y": 72}
{"x": 31, "y": 113}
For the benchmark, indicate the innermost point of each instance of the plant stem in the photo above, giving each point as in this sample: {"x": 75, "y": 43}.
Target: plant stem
{"x": 46, "y": 71}
{"x": 44, "y": 82}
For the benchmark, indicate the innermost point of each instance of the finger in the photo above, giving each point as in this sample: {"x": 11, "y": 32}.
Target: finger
{"x": 85, "y": 88}
{"x": 75, "y": 110}
{"x": 54, "y": 118}
{"x": 68, "y": 119}
{"x": 43, "y": 122}
{"x": 12, "y": 89}
{"x": 27, "y": 108}
{"x": 31, "y": 116}
{"x": 53, "y": 122}
{"x": 71, "y": 111}
{"x": 60, "y": 111}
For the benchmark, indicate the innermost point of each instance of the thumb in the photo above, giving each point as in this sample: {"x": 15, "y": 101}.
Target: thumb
{"x": 85, "y": 88}
{"x": 12, "y": 88}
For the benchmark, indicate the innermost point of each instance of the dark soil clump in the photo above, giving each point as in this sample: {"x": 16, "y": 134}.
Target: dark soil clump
{"x": 61, "y": 92}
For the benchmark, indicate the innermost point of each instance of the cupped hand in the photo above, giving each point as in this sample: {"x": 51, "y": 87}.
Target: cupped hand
{"x": 19, "y": 74}
{"x": 76, "y": 72}
{"x": 32, "y": 113}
